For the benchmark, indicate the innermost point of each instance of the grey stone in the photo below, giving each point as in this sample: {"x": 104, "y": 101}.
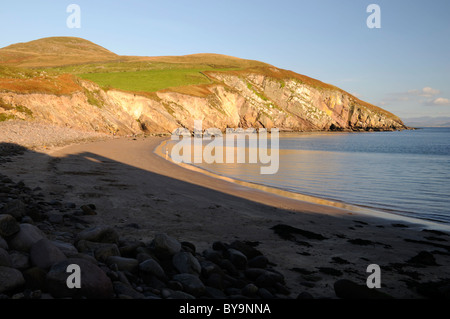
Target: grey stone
{"x": 19, "y": 260}
{"x": 15, "y": 208}
{"x": 165, "y": 245}
{"x": 106, "y": 250}
{"x": 10, "y": 279}
{"x": 26, "y": 237}
{"x": 123, "y": 264}
{"x": 55, "y": 218}
{"x": 186, "y": 263}
{"x": 5, "y": 259}
{"x": 180, "y": 295}
{"x": 238, "y": 259}
{"x": 250, "y": 290}
{"x": 213, "y": 255}
{"x": 44, "y": 254}
{"x": 67, "y": 249}
{"x": 99, "y": 234}
{"x": 191, "y": 284}
{"x": 35, "y": 277}
{"x": 3, "y": 244}
{"x": 95, "y": 284}
{"x": 151, "y": 266}
{"x": 215, "y": 293}
{"x": 27, "y": 220}
{"x": 8, "y": 225}
{"x": 123, "y": 289}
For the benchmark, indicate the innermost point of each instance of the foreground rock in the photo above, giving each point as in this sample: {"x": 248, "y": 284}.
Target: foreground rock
{"x": 95, "y": 284}
{"x": 10, "y": 279}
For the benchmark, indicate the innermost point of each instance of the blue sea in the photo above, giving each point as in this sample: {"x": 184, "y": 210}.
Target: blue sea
{"x": 404, "y": 172}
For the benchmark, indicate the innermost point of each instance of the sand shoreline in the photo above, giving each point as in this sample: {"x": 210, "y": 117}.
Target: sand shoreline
{"x": 130, "y": 184}
{"x": 360, "y": 210}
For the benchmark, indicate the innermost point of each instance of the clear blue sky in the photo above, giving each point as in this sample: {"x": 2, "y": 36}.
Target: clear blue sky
{"x": 403, "y": 67}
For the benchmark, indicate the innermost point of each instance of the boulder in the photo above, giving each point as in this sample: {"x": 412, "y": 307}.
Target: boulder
{"x": 5, "y": 259}
{"x": 16, "y": 208}
{"x": 191, "y": 284}
{"x": 123, "y": 264}
{"x": 27, "y": 236}
{"x": 95, "y": 284}
{"x": 152, "y": 267}
{"x": 10, "y": 279}
{"x": 238, "y": 259}
{"x": 67, "y": 249}
{"x": 186, "y": 263}
{"x": 165, "y": 246}
{"x": 44, "y": 254}
{"x": 8, "y": 225}
{"x": 99, "y": 234}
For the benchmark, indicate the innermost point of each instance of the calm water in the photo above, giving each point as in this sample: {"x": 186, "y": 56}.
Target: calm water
{"x": 406, "y": 173}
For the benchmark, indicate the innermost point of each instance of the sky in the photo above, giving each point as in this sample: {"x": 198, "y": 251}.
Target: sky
{"x": 404, "y": 66}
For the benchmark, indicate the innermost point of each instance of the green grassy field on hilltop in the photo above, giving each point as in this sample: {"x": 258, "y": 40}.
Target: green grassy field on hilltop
{"x": 147, "y": 80}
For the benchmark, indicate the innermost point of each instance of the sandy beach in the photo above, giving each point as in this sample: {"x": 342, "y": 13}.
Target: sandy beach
{"x": 312, "y": 245}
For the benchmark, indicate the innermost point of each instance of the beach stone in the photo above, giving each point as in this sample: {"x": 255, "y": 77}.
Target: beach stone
{"x": 26, "y": 237}
{"x": 44, "y": 254}
{"x": 213, "y": 255}
{"x": 27, "y": 220}
{"x": 10, "y": 279}
{"x": 99, "y": 234}
{"x": 19, "y": 260}
{"x": 95, "y": 284}
{"x": 190, "y": 247}
{"x": 237, "y": 258}
{"x": 181, "y": 295}
{"x": 3, "y": 244}
{"x": 191, "y": 284}
{"x": 103, "y": 251}
{"x": 304, "y": 295}
{"x": 165, "y": 246}
{"x": 5, "y": 259}
{"x": 215, "y": 281}
{"x": 254, "y": 273}
{"x": 16, "y": 208}
{"x": 209, "y": 268}
{"x": 126, "y": 290}
{"x": 55, "y": 218}
{"x": 346, "y": 289}
{"x": 8, "y": 225}
{"x": 186, "y": 263}
{"x": 250, "y": 290}
{"x": 152, "y": 267}
{"x": 123, "y": 264}
{"x": 67, "y": 249}
{"x": 215, "y": 293}
{"x": 35, "y": 277}
{"x": 249, "y": 251}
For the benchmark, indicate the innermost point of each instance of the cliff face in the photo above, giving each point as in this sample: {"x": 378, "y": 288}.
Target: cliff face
{"x": 249, "y": 98}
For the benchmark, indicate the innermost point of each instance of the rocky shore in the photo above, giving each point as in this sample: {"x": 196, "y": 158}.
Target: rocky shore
{"x": 141, "y": 227}
{"x": 39, "y": 240}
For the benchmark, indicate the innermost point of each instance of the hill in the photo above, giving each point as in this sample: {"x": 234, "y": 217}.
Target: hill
{"x": 71, "y": 81}
{"x": 54, "y": 51}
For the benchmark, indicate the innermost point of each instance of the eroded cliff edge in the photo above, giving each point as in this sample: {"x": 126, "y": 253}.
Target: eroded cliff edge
{"x": 254, "y": 97}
